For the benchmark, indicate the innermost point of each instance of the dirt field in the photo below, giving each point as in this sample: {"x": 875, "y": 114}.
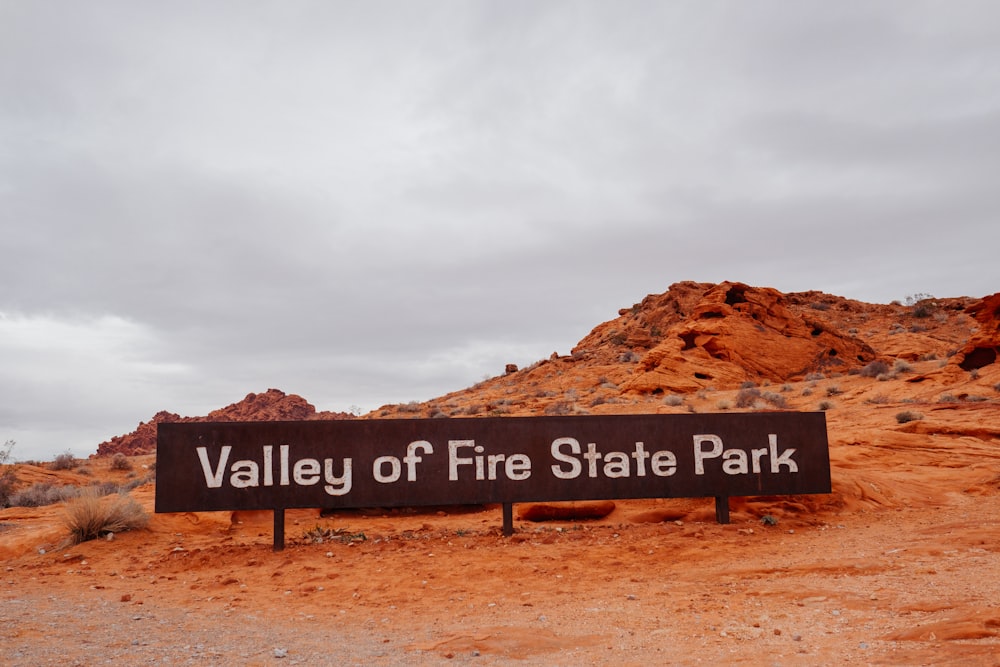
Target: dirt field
{"x": 893, "y": 586}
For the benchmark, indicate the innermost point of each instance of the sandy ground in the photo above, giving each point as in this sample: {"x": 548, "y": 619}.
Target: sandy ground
{"x": 900, "y": 565}
{"x": 906, "y": 586}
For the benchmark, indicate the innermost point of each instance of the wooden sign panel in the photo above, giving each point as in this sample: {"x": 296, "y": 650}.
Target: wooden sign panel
{"x": 414, "y": 462}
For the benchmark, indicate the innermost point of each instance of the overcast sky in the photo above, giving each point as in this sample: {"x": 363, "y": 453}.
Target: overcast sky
{"x": 377, "y": 202}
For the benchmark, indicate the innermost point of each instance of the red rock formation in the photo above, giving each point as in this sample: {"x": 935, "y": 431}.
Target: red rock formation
{"x": 272, "y": 405}
{"x": 736, "y": 333}
{"x": 984, "y": 346}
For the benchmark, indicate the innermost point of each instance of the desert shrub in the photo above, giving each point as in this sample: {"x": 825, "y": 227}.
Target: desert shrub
{"x": 908, "y": 416}
{"x": 7, "y": 475}
{"x": 64, "y": 461}
{"x": 884, "y": 377}
{"x": 748, "y": 384}
{"x": 628, "y": 357}
{"x": 819, "y": 305}
{"x": 947, "y": 398}
{"x": 90, "y": 516}
{"x": 996, "y": 387}
{"x": 559, "y": 408}
{"x": 746, "y": 397}
{"x": 807, "y": 392}
{"x": 120, "y": 462}
{"x": 777, "y": 400}
{"x": 975, "y": 398}
{"x": 598, "y": 400}
{"x": 924, "y": 309}
{"x": 673, "y": 399}
{"x": 786, "y": 387}
{"x": 814, "y": 377}
{"x": 104, "y": 488}
{"x": 833, "y": 390}
{"x": 902, "y": 366}
{"x": 824, "y": 406}
{"x": 41, "y": 494}
{"x": 878, "y": 399}
{"x": 724, "y": 405}
{"x": 874, "y": 369}
{"x": 412, "y": 406}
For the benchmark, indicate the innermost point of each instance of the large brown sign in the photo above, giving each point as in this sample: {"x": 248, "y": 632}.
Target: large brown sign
{"x": 413, "y": 462}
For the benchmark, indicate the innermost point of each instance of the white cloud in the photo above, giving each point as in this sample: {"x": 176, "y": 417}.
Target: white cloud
{"x": 99, "y": 374}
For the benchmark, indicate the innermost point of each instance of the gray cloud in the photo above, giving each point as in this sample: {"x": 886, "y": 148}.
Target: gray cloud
{"x": 383, "y": 201}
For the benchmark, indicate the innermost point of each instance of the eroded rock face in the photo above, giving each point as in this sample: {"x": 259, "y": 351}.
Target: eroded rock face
{"x": 736, "y": 333}
{"x": 272, "y": 405}
{"x": 983, "y": 347}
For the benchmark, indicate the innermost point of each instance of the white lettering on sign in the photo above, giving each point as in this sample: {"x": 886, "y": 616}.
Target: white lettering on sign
{"x": 516, "y": 467}
{"x": 662, "y": 463}
{"x": 396, "y": 468}
{"x": 247, "y": 473}
{"x": 737, "y": 461}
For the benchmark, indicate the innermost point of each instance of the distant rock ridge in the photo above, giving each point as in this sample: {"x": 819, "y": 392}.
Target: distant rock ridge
{"x": 272, "y": 405}
{"x": 705, "y": 337}
{"x": 693, "y": 338}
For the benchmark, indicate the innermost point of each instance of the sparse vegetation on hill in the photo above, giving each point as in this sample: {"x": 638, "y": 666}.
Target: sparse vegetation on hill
{"x": 676, "y": 348}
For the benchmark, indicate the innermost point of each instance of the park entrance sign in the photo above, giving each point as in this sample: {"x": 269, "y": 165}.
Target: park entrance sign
{"x": 416, "y": 462}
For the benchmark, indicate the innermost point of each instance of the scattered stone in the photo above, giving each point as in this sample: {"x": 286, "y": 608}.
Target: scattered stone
{"x": 280, "y": 652}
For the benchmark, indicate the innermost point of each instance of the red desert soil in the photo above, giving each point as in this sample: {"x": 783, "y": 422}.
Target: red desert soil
{"x": 900, "y": 565}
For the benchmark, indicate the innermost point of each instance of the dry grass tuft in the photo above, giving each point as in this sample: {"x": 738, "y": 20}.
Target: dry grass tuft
{"x": 90, "y": 516}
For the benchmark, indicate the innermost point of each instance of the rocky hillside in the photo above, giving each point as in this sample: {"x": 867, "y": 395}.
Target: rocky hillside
{"x": 272, "y": 405}
{"x": 696, "y": 347}
{"x": 696, "y": 341}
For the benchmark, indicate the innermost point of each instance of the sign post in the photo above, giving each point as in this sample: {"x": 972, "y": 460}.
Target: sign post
{"x": 275, "y": 466}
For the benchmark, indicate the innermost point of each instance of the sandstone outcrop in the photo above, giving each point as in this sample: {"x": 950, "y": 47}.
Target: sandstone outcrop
{"x": 984, "y": 344}
{"x": 272, "y": 405}
{"x": 737, "y": 333}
